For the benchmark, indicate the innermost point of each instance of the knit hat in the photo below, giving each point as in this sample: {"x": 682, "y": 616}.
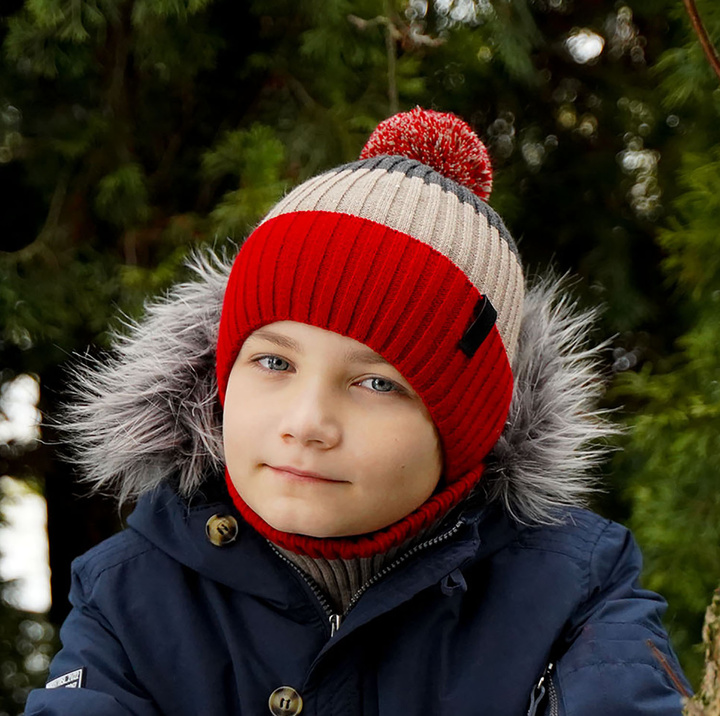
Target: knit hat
{"x": 400, "y": 252}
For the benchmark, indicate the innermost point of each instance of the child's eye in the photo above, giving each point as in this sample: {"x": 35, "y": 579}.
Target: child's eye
{"x": 274, "y": 363}
{"x": 381, "y": 385}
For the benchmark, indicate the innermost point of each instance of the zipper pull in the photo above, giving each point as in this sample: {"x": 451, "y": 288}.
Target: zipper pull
{"x": 539, "y": 691}
{"x": 335, "y": 621}
{"x": 538, "y": 694}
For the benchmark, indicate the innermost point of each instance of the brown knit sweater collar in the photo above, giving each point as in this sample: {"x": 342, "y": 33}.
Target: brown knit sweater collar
{"x": 340, "y": 580}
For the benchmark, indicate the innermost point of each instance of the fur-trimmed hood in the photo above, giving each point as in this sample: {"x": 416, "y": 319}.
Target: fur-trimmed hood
{"x": 149, "y": 413}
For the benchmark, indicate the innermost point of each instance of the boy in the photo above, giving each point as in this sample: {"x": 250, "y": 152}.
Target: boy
{"x": 387, "y": 521}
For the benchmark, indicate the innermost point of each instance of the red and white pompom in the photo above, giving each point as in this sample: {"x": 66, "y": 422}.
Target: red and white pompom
{"x": 438, "y": 139}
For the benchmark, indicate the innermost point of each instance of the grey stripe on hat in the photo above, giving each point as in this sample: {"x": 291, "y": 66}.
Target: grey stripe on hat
{"x": 414, "y": 168}
{"x": 468, "y": 233}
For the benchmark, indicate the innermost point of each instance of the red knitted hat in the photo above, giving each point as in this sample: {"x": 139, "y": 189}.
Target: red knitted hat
{"x": 400, "y": 252}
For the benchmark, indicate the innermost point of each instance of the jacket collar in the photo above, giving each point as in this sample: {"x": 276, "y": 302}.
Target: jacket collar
{"x": 249, "y": 564}
{"x": 178, "y": 528}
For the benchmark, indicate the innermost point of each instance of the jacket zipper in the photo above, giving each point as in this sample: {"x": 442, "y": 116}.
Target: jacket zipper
{"x": 544, "y": 687}
{"x": 337, "y": 619}
{"x": 333, "y": 618}
{"x": 400, "y": 560}
{"x": 554, "y": 701}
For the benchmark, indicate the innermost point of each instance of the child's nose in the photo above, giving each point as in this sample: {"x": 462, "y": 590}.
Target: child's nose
{"x": 311, "y": 417}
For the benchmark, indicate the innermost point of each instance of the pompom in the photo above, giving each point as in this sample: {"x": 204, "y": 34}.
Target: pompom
{"x": 440, "y": 140}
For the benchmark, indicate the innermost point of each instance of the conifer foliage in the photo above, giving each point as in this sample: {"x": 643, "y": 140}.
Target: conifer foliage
{"x": 673, "y": 455}
{"x": 133, "y": 131}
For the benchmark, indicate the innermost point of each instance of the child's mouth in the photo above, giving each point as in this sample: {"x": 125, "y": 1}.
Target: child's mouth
{"x": 295, "y": 473}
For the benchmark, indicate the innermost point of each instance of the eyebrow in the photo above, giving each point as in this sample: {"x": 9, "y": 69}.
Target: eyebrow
{"x": 354, "y": 355}
{"x": 278, "y": 340}
{"x": 358, "y": 355}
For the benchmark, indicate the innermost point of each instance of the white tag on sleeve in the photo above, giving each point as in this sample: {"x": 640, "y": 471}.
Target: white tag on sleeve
{"x": 71, "y": 680}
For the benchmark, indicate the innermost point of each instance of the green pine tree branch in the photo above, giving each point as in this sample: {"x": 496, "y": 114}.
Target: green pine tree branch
{"x": 702, "y": 35}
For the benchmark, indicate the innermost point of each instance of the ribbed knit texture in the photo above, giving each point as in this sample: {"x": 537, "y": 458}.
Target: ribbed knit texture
{"x": 433, "y": 211}
{"x": 369, "y": 545}
{"x": 397, "y": 295}
{"x": 393, "y": 252}
{"x": 341, "y": 579}
{"x": 407, "y": 302}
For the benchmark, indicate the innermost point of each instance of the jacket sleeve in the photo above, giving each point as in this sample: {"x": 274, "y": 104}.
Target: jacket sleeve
{"x": 617, "y": 658}
{"x": 91, "y": 674}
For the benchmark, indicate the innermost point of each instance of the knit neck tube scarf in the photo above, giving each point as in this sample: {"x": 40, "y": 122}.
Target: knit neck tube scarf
{"x": 364, "y": 546}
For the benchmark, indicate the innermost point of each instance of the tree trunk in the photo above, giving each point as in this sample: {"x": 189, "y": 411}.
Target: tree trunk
{"x": 707, "y": 701}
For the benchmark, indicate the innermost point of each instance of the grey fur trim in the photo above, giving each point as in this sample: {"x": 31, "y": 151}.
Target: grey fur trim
{"x": 149, "y": 411}
{"x": 555, "y": 435}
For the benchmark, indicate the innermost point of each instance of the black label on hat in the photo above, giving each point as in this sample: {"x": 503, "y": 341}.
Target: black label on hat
{"x": 480, "y": 328}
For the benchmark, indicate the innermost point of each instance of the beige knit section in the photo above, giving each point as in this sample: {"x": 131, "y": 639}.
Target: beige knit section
{"x": 341, "y": 579}
{"x": 436, "y": 217}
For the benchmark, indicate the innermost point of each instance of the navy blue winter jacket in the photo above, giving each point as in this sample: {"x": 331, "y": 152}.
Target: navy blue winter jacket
{"x": 496, "y": 616}
{"x": 164, "y": 622}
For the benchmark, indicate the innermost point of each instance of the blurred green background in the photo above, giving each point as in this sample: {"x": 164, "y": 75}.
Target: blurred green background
{"x": 134, "y": 131}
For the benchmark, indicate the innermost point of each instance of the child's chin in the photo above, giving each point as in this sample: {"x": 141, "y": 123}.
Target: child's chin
{"x": 316, "y": 532}
{"x": 314, "y": 528}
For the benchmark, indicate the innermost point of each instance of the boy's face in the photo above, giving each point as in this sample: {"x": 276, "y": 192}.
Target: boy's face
{"x": 322, "y": 436}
